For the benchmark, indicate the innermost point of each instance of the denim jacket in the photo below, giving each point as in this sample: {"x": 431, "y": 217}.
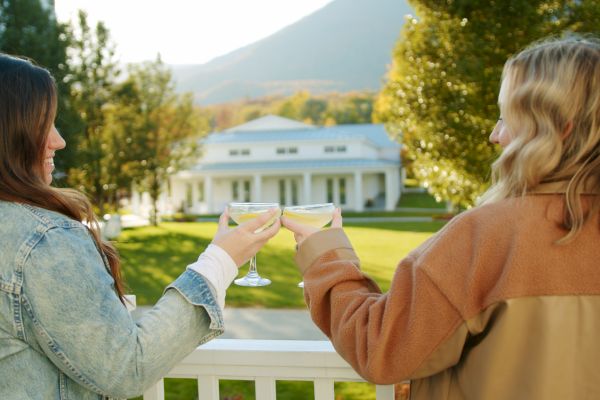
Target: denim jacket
{"x": 64, "y": 334}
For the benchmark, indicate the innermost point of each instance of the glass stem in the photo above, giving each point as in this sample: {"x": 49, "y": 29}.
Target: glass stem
{"x": 252, "y": 270}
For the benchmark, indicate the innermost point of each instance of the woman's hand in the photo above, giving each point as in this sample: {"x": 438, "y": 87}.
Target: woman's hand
{"x": 302, "y": 231}
{"x": 241, "y": 243}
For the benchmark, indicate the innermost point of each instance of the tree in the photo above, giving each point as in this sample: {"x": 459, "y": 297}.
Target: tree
{"x": 163, "y": 141}
{"x": 29, "y": 28}
{"x": 440, "y": 98}
{"x": 293, "y": 105}
{"x": 123, "y": 120}
{"x": 351, "y": 108}
{"x": 93, "y": 77}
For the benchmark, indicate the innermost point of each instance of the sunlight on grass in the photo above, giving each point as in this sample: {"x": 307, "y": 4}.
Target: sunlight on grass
{"x": 153, "y": 257}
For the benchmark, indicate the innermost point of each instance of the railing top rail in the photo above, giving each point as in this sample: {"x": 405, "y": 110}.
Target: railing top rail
{"x": 279, "y": 358}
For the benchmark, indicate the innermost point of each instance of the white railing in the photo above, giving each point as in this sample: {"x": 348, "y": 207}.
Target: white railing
{"x": 265, "y": 362}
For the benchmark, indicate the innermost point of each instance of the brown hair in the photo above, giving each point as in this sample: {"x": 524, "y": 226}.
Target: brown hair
{"x": 552, "y": 112}
{"x": 28, "y": 102}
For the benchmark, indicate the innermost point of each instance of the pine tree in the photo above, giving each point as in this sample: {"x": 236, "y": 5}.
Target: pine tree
{"x": 29, "y": 28}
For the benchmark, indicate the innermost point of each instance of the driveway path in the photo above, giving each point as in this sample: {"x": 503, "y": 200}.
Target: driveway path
{"x": 260, "y": 323}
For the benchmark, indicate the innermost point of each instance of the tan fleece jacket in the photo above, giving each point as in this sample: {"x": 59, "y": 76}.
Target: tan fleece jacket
{"x": 488, "y": 308}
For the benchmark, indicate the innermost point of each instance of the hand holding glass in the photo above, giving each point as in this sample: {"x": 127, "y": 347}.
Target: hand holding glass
{"x": 244, "y": 212}
{"x": 315, "y": 215}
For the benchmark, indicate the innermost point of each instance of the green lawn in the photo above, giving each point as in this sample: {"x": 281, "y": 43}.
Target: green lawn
{"x": 153, "y": 257}
{"x": 419, "y": 200}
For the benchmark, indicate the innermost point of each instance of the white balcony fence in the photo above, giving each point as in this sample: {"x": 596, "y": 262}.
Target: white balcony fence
{"x": 265, "y": 362}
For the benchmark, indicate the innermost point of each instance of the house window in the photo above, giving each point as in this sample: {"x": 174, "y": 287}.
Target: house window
{"x": 282, "y": 192}
{"x": 237, "y": 152}
{"x": 335, "y": 149}
{"x": 246, "y": 191}
{"x": 201, "y": 192}
{"x": 293, "y": 150}
{"x": 189, "y": 195}
{"x": 342, "y": 190}
{"x": 235, "y": 190}
{"x": 294, "y": 192}
{"x": 280, "y": 150}
{"x": 330, "y": 190}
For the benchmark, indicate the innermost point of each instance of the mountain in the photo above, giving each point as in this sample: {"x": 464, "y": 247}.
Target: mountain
{"x": 341, "y": 47}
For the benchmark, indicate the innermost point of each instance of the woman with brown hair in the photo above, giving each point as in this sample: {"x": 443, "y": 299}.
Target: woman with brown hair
{"x": 504, "y": 301}
{"x": 64, "y": 329}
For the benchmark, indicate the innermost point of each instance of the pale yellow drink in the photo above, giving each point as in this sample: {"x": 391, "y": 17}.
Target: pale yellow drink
{"x": 239, "y": 217}
{"x": 315, "y": 215}
{"x": 244, "y": 212}
{"x": 318, "y": 219}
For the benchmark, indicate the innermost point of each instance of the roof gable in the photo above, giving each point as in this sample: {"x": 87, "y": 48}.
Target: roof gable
{"x": 270, "y": 123}
{"x": 373, "y": 133}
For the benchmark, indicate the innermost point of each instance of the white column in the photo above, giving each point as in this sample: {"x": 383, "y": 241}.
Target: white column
{"x": 288, "y": 190}
{"x": 257, "y": 195}
{"x": 156, "y": 392}
{"x": 324, "y": 389}
{"x": 195, "y": 206}
{"x": 208, "y": 183}
{"x": 336, "y": 192}
{"x": 359, "y": 198}
{"x": 264, "y": 388}
{"x": 307, "y": 184}
{"x": 208, "y": 387}
{"x": 385, "y": 392}
{"x": 392, "y": 185}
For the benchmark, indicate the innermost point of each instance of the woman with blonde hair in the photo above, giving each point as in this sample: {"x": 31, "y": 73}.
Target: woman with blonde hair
{"x": 65, "y": 332}
{"x": 504, "y": 301}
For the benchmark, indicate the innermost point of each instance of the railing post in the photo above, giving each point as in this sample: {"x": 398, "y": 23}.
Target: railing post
{"x": 265, "y": 388}
{"x": 156, "y": 392}
{"x": 324, "y": 389}
{"x": 208, "y": 387}
{"x": 384, "y": 392}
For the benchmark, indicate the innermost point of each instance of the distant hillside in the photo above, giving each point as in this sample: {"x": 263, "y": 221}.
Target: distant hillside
{"x": 344, "y": 46}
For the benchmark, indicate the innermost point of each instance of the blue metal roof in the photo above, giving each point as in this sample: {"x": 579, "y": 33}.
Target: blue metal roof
{"x": 300, "y": 165}
{"x": 374, "y": 133}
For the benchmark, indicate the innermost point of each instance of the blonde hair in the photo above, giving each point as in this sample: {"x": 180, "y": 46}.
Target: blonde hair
{"x": 552, "y": 112}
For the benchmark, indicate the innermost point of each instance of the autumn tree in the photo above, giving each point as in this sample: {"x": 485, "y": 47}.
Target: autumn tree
{"x": 164, "y": 138}
{"x": 123, "y": 124}
{"x": 440, "y": 98}
{"x": 94, "y": 72}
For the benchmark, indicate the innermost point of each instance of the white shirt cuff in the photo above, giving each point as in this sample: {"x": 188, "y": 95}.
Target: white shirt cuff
{"x": 218, "y": 268}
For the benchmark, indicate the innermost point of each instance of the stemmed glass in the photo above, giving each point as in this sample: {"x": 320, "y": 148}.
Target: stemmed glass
{"x": 243, "y": 212}
{"x": 315, "y": 215}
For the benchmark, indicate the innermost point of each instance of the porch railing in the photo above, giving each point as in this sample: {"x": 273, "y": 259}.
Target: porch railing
{"x": 265, "y": 362}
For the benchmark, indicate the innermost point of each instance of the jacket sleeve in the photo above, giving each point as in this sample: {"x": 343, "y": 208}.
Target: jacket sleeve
{"x": 82, "y": 327}
{"x": 409, "y": 332}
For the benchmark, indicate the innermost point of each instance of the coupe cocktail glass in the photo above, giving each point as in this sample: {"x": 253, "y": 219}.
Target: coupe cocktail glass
{"x": 244, "y": 212}
{"x": 315, "y": 215}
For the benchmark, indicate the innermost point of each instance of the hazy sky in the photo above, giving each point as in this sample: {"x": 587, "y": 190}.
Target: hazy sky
{"x": 187, "y": 31}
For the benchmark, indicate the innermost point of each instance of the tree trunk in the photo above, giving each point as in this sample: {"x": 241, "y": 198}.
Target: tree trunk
{"x": 154, "y": 193}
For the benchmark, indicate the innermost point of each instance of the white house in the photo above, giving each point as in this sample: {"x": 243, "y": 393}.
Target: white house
{"x": 275, "y": 159}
